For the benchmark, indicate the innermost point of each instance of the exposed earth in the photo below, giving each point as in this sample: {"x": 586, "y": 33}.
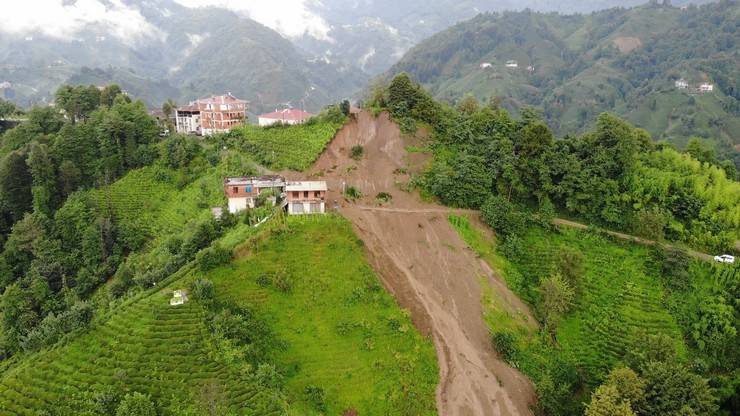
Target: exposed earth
{"x": 426, "y": 265}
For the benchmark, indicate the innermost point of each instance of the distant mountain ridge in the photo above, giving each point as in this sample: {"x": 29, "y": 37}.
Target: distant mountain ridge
{"x": 184, "y": 52}
{"x": 201, "y": 51}
{"x": 620, "y": 60}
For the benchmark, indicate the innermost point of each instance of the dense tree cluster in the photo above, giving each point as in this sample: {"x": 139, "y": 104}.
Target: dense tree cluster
{"x": 614, "y": 175}
{"x": 58, "y": 244}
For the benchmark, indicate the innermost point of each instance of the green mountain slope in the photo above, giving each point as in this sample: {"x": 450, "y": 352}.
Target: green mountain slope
{"x": 618, "y": 60}
{"x": 298, "y": 323}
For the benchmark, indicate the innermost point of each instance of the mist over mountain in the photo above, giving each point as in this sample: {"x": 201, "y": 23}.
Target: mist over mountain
{"x": 301, "y": 53}
{"x": 190, "y": 52}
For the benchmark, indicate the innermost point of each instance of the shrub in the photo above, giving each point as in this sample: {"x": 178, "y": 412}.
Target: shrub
{"x": 212, "y": 257}
{"x": 316, "y": 397}
{"x": 136, "y": 404}
{"x": 675, "y": 269}
{"x": 570, "y": 265}
{"x": 352, "y": 193}
{"x": 502, "y": 216}
{"x": 267, "y": 376}
{"x": 505, "y": 344}
{"x": 283, "y": 282}
{"x": 264, "y": 280}
{"x": 202, "y": 290}
{"x": 54, "y": 326}
{"x": 357, "y": 152}
{"x": 384, "y": 197}
{"x": 204, "y": 234}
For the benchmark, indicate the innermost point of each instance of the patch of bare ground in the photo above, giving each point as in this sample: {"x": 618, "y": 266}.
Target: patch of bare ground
{"x": 424, "y": 263}
{"x": 627, "y": 44}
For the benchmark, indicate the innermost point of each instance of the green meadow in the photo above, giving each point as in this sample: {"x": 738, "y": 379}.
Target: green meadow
{"x": 343, "y": 333}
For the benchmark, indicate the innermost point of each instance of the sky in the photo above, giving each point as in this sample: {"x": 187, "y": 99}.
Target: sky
{"x": 65, "y": 18}
{"x": 291, "y": 18}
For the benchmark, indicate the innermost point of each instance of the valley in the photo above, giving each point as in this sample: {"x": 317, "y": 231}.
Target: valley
{"x": 360, "y": 208}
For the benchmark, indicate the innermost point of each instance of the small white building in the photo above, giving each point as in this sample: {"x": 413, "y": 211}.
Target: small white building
{"x": 512, "y": 64}
{"x": 486, "y": 65}
{"x": 706, "y": 87}
{"x": 530, "y": 68}
{"x": 287, "y": 116}
{"x": 179, "y": 297}
{"x": 681, "y": 84}
{"x": 307, "y": 197}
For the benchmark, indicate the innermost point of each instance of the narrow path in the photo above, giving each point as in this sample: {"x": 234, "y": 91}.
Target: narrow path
{"x": 639, "y": 240}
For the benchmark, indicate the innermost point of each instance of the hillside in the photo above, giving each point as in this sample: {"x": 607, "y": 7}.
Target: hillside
{"x": 269, "y": 333}
{"x": 620, "y": 60}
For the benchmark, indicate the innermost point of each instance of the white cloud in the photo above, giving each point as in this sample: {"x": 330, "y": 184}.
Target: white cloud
{"x": 292, "y": 18}
{"x": 66, "y": 18}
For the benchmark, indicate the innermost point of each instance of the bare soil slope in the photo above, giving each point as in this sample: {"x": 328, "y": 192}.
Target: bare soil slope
{"x": 426, "y": 265}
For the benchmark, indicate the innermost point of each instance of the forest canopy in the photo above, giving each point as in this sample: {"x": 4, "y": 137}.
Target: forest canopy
{"x": 614, "y": 175}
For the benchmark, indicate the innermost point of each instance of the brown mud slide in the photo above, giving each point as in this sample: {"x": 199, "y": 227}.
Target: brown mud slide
{"x": 426, "y": 265}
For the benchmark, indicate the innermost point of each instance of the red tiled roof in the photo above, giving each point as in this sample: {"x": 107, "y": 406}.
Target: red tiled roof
{"x": 288, "y": 114}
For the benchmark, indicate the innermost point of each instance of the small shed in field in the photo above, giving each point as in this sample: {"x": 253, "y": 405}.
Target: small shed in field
{"x": 179, "y": 297}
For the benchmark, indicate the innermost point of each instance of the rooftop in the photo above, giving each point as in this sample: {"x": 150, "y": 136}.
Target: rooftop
{"x": 220, "y": 99}
{"x": 214, "y": 99}
{"x": 288, "y": 114}
{"x": 266, "y": 180}
{"x": 306, "y": 186}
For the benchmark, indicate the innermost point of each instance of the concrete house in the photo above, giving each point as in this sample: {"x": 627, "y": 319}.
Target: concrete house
{"x": 211, "y": 115}
{"x": 706, "y": 87}
{"x": 512, "y": 64}
{"x": 485, "y": 65}
{"x": 307, "y": 197}
{"x": 681, "y": 84}
{"x": 287, "y": 116}
{"x": 242, "y": 192}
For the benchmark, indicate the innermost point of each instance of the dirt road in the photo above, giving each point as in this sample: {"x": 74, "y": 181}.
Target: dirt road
{"x": 639, "y": 240}
{"x": 428, "y": 268}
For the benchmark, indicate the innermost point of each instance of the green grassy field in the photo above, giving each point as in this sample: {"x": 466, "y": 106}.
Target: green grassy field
{"x": 287, "y": 147}
{"x": 344, "y": 333}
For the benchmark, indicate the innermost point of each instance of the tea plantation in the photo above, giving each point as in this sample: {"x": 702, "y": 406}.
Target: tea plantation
{"x": 620, "y": 300}
{"x": 287, "y": 147}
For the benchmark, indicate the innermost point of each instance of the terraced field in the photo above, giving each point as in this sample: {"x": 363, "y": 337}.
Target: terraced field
{"x": 287, "y": 147}
{"x": 149, "y": 347}
{"x": 620, "y": 296}
{"x": 148, "y": 198}
{"x": 343, "y": 333}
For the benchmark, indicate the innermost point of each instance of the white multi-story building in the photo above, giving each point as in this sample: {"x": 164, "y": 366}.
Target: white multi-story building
{"x": 207, "y": 116}
{"x": 307, "y": 197}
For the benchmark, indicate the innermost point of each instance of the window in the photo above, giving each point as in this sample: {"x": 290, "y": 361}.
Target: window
{"x": 317, "y": 194}
{"x": 305, "y": 194}
{"x": 248, "y": 189}
{"x": 295, "y": 194}
{"x": 235, "y": 190}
